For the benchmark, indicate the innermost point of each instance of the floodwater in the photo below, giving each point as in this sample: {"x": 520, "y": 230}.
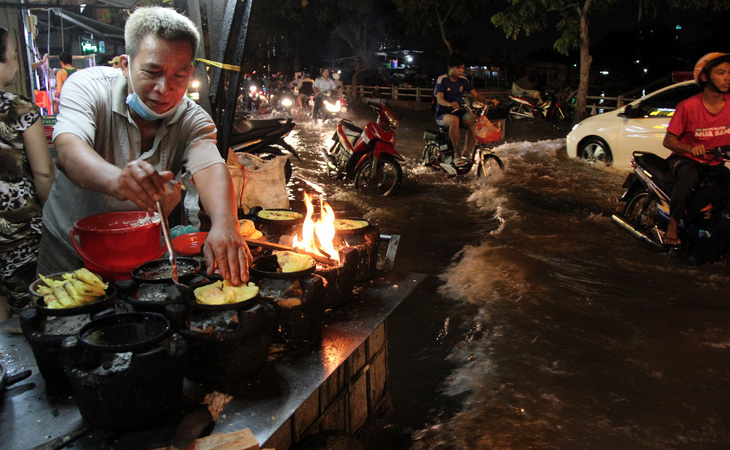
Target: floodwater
{"x": 541, "y": 323}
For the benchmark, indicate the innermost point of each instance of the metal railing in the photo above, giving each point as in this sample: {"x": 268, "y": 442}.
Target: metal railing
{"x": 425, "y": 94}
{"x": 417, "y": 94}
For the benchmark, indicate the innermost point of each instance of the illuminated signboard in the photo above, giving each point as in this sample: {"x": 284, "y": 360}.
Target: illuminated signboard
{"x": 89, "y": 47}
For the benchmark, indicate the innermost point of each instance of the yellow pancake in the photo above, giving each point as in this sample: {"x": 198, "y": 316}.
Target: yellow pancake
{"x": 279, "y": 215}
{"x": 350, "y": 224}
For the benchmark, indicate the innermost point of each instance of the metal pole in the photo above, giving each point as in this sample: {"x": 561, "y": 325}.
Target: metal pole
{"x": 200, "y": 73}
{"x": 223, "y": 95}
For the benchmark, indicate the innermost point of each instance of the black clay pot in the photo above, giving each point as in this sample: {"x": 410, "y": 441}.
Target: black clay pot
{"x": 233, "y": 346}
{"x": 363, "y": 245}
{"x": 45, "y": 336}
{"x": 299, "y": 306}
{"x": 126, "y": 371}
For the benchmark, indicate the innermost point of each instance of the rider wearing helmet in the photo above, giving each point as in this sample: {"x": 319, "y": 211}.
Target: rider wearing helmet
{"x": 700, "y": 122}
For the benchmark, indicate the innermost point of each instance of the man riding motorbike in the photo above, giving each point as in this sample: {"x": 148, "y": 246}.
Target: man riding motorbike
{"x": 700, "y": 122}
{"x": 449, "y": 92}
{"x": 322, "y": 84}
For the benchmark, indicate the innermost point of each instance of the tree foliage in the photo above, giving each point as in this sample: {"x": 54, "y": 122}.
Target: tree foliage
{"x": 571, "y": 19}
{"x": 447, "y": 16}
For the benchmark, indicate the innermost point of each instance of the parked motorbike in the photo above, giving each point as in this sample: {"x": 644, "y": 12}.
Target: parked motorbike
{"x": 367, "y": 155}
{"x": 648, "y": 199}
{"x": 333, "y": 104}
{"x": 264, "y": 138}
{"x": 438, "y": 152}
{"x": 555, "y": 107}
{"x": 523, "y": 108}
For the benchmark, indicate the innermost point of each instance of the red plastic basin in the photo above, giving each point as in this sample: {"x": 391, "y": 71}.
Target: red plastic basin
{"x": 115, "y": 243}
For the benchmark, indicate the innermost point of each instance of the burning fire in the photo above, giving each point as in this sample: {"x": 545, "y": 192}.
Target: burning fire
{"x": 317, "y": 236}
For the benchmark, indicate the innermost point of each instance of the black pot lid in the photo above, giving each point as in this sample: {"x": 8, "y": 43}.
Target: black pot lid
{"x": 351, "y": 225}
{"x": 99, "y": 305}
{"x": 129, "y": 332}
{"x": 158, "y": 270}
{"x": 268, "y": 267}
{"x": 193, "y": 303}
{"x": 281, "y": 217}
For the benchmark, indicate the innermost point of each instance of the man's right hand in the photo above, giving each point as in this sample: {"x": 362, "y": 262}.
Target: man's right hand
{"x": 698, "y": 150}
{"x": 141, "y": 183}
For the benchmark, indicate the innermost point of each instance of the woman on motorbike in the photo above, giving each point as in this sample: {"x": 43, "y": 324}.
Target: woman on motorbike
{"x": 700, "y": 123}
{"x": 449, "y": 92}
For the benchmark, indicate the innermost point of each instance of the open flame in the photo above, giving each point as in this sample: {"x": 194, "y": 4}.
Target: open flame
{"x": 318, "y": 236}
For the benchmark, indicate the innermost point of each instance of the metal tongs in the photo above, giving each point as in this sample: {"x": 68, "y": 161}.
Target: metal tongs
{"x": 168, "y": 242}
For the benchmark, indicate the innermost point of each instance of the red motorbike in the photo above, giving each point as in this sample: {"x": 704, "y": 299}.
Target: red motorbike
{"x": 367, "y": 156}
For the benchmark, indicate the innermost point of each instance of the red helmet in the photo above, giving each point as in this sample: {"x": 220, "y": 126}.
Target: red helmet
{"x": 707, "y": 62}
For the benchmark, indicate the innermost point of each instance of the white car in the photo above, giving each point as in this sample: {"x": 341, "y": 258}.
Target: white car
{"x": 610, "y": 138}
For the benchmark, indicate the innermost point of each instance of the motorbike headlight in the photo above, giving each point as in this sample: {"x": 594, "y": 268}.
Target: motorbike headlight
{"x": 286, "y": 102}
{"x": 392, "y": 119}
{"x": 333, "y": 107}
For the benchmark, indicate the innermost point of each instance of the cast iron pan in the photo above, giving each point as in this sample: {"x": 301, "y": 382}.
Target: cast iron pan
{"x": 193, "y": 303}
{"x": 283, "y": 222}
{"x": 349, "y": 232}
{"x": 268, "y": 267}
{"x": 158, "y": 271}
{"x": 103, "y": 303}
{"x": 128, "y": 332}
{"x": 7, "y": 379}
{"x": 132, "y": 297}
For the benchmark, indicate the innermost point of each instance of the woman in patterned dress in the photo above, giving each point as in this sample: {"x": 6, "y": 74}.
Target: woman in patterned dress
{"x": 26, "y": 176}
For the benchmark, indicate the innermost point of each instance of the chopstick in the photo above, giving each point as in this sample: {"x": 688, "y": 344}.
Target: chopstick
{"x": 274, "y": 246}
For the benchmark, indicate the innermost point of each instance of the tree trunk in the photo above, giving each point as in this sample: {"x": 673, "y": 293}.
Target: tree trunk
{"x": 585, "y": 67}
{"x": 443, "y": 35}
{"x": 355, "y": 75}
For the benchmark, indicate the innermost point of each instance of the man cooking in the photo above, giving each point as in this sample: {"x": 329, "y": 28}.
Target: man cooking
{"x": 123, "y": 138}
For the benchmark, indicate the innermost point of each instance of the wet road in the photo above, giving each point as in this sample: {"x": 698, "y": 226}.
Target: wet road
{"x": 542, "y": 325}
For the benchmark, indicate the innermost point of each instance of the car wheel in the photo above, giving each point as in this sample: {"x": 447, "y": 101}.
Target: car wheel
{"x": 594, "y": 150}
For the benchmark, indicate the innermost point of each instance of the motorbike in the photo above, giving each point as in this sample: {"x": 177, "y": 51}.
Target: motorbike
{"x": 367, "y": 155}
{"x": 333, "y": 104}
{"x": 555, "y": 108}
{"x": 438, "y": 152}
{"x": 648, "y": 198}
{"x": 524, "y": 108}
{"x": 264, "y": 138}
{"x": 283, "y": 101}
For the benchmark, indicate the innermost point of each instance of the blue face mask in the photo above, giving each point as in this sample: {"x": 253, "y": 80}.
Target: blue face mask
{"x": 140, "y": 108}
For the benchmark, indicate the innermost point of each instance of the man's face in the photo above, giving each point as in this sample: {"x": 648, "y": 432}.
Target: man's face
{"x": 160, "y": 72}
{"x": 456, "y": 71}
{"x": 720, "y": 77}
{"x": 325, "y": 73}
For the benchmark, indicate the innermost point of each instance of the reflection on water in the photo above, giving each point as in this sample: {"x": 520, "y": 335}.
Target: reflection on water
{"x": 559, "y": 329}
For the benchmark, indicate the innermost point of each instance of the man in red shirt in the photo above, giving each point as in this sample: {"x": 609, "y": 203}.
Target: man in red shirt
{"x": 700, "y": 123}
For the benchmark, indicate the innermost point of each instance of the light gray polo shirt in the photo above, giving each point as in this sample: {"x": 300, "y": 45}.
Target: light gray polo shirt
{"x": 93, "y": 107}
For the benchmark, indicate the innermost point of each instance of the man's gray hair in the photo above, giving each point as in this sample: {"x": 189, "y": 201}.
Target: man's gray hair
{"x": 160, "y": 22}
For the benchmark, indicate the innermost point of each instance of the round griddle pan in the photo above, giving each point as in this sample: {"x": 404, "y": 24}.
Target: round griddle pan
{"x": 268, "y": 267}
